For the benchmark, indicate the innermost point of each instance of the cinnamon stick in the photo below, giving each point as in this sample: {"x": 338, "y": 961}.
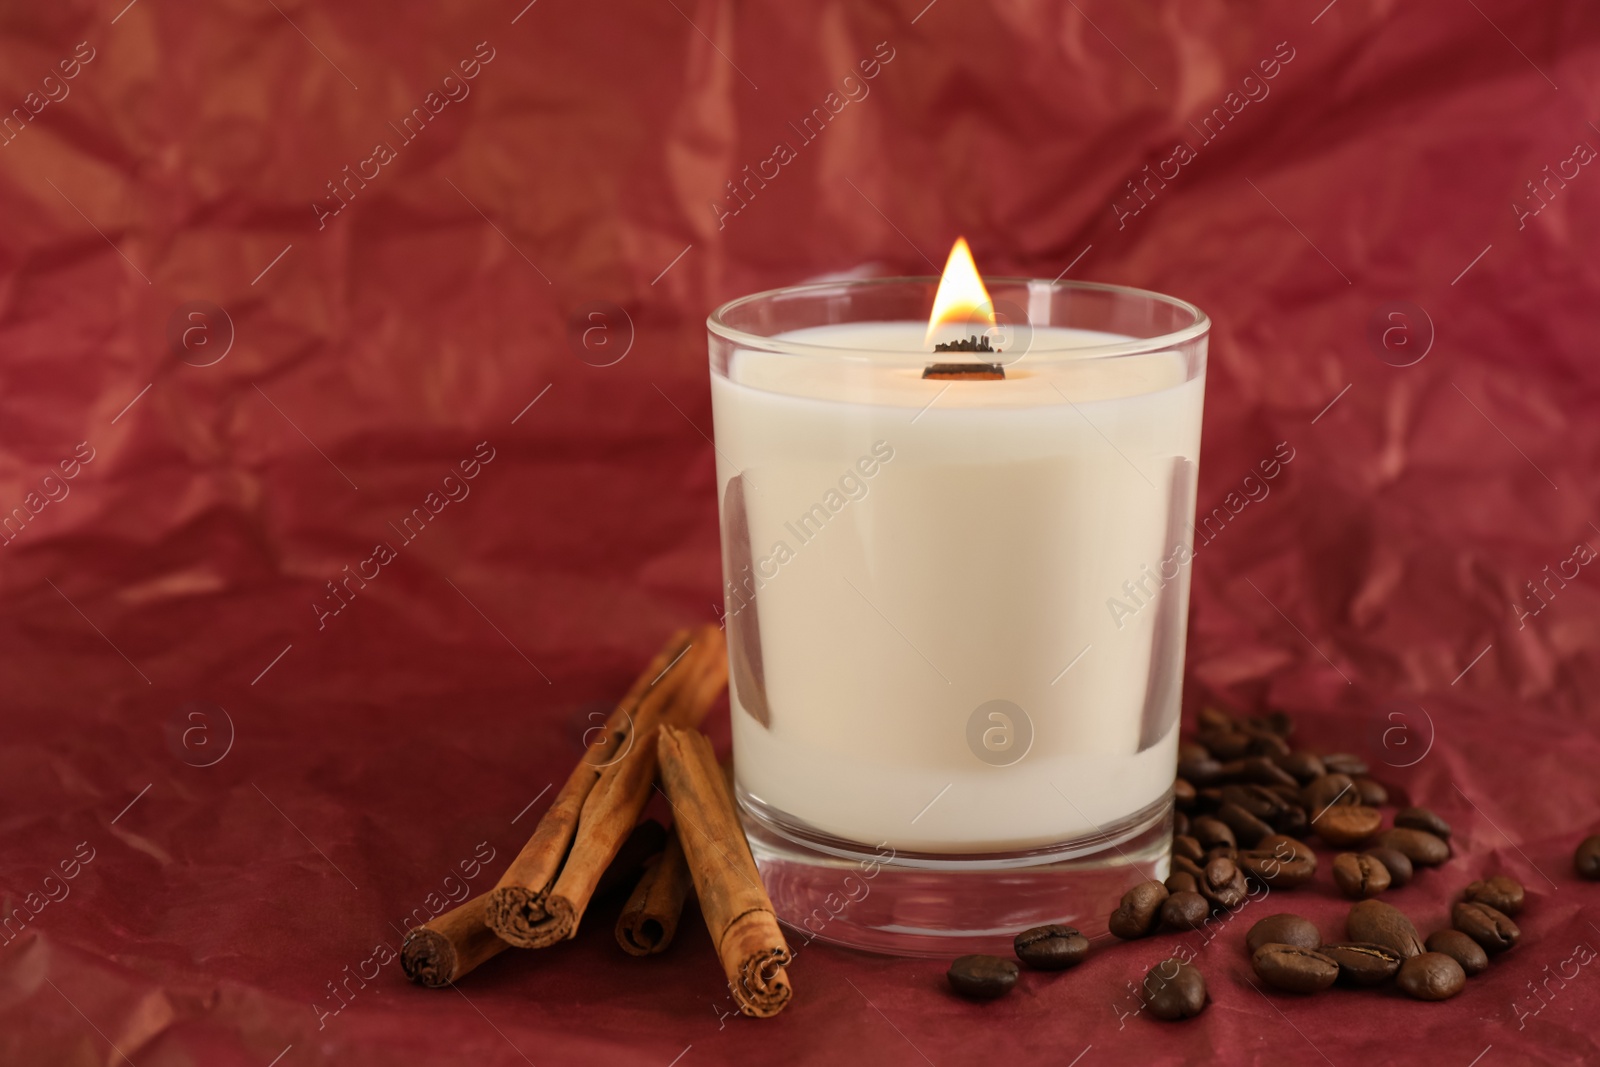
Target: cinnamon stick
{"x": 517, "y": 900}
{"x": 650, "y": 917}
{"x": 737, "y": 910}
{"x": 440, "y": 951}
{"x": 619, "y": 794}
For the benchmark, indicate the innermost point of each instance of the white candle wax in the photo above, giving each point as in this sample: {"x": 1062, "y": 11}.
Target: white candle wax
{"x": 922, "y": 547}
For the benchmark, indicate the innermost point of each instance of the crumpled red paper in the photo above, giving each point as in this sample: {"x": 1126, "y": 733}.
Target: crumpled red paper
{"x": 372, "y": 339}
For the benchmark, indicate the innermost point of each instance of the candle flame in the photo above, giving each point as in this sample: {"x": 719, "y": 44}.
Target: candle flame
{"x": 961, "y": 296}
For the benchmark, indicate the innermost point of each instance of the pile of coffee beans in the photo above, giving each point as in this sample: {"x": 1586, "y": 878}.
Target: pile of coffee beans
{"x": 1382, "y": 944}
{"x": 1244, "y": 801}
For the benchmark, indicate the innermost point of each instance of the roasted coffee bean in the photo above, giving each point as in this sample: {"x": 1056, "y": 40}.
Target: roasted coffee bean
{"x": 1211, "y": 831}
{"x": 1344, "y": 763}
{"x": 1272, "y": 722}
{"x": 1051, "y": 948}
{"x": 1347, "y": 824}
{"x": 1184, "y": 911}
{"x": 1586, "y": 860}
{"x": 1283, "y": 929}
{"x": 1212, "y": 717}
{"x": 1303, "y": 765}
{"x": 1372, "y": 793}
{"x": 1400, "y": 870}
{"x": 1224, "y": 883}
{"x": 1485, "y": 925}
{"x": 1292, "y": 820}
{"x": 1280, "y": 862}
{"x": 1180, "y": 823}
{"x": 1258, "y": 800}
{"x": 1181, "y": 882}
{"x": 1422, "y": 819}
{"x": 1267, "y": 744}
{"x": 1502, "y": 893}
{"x": 1364, "y": 964}
{"x": 1182, "y": 865}
{"x": 1183, "y": 794}
{"x": 1378, "y": 923}
{"x": 1247, "y": 829}
{"x": 1225, "y": 744}
{"x": 1322, "y": 793}
{"x": 1358, "y": 875}
{"x": 1431, "y": 976}
{"x": 982, "y": 977}
{"x": 1140, "y": 908}
{"x": 1187, "y": 847}
{"x": 1220, "y": 852}
{"x": 1257, "y": 769}
{"x": 1293, "y": 969}
{"x": 1419, "y": 846}
{"x": 1206, "y": 800}
{"x": 1197, "y": 765}
{"x": 1461, "y": 948}
{"x": 1175, "y": 989}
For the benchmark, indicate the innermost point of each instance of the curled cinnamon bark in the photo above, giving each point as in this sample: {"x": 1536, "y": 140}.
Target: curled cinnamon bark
{"x": 681, "y": 695}
{"x": 650, "y": 917}
{"x": 517, "y": 900}
{"x": 736, "y": 907}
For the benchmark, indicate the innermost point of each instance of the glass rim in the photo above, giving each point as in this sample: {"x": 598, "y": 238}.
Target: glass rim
{"x": 717, "y": 325}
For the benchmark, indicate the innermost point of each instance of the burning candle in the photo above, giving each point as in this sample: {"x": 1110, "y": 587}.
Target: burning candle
{"x": 956, "y": 596}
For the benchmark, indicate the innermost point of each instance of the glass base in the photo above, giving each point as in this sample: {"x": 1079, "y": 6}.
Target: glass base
{"x": 943, "y": 905}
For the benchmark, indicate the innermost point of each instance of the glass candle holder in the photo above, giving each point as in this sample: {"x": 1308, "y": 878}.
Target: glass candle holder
{"x": 955, "y": 607}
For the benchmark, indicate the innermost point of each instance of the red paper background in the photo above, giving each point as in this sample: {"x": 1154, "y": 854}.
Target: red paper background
{"x": 1382, "y": 573}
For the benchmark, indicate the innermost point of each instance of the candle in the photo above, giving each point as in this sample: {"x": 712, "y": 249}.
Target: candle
{"x": 921, "y": 548}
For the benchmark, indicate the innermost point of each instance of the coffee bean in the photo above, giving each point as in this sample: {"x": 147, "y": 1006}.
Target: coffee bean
{"x": 1226, "y": 852}
{"x": 1174, "y": 989}
{"x": 1184, "y": 865}
{"x": 1267, "y": 744}
{"x": 1283, "y": 929}
{"x": 1485, "y": 925}
{"x": 1400, "y": 870}
{"x": 1292, "y": 820}
{"x": 1344, "y": 763}
{"x": 1280, "y": 862}
{"x": 1180, "y": 823}
{"x": 982, "y": 977}
{"x": 1225, "y": 744}
{"x": 1181, "y": 882}
{"x": 1303, "y": 766}
{"x": 1294, "y": 969}
{"x": 1051, "y": 948}
{"x": 1586, "y": 860}
{"x": 1211, "y": 831}
{"x": 1140, "y": 908}
{"x": 1422, "y": 819}
{"x": 1182, "y": 794}
{"x": 1259, "y": 800}
{"x": 1347, "y": 824}
{"x": 1224, "y": 883}
{"x": 1277, "y": 722}
{"x": 1419, "y": 846}
{"x": 1257, "y": 769}
{"x": 1372, "y": 793}
{"x": 1359, "y": 875}
{"x": 1212, "y": 717}
{"x": 1188, "y": 847}
{"x": 1502, "y": 893}
{"x": 1364, "y": 964}
{"x": 1196, "y": 764}
{"x": 1431, "y": 976}
{"x": 1207, "y": 799}
{"x": 1461, "y": 948}
{"x": 1377, "y": 923}
{"x": 1247, "y": 829}
{"x": 1326, "y": 791}
{"x": 1184, "y": 911}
